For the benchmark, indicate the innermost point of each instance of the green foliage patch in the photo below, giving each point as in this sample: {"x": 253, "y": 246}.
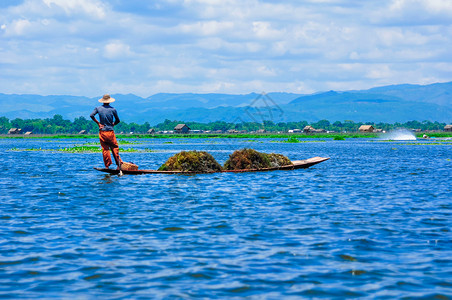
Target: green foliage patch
{"x": 339, "y": 138}
{"x": 428, "y": 143}
{"x": 82, "y": 149}
{"x": 292, "y": 139}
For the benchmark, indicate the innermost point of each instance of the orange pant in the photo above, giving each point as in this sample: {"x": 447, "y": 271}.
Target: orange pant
{"x": 108, "y": 141}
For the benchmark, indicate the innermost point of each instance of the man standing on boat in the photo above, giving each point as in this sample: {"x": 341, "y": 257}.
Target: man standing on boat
{"x": 108, "y": 118}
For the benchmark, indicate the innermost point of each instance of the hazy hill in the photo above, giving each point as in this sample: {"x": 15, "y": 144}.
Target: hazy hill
{"x": 437, "y": 93}
{"x": 361, "y": 106}
{"x": 386, "y": 104}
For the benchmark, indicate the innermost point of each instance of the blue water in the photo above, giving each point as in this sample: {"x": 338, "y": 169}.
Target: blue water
{"x": 374, "y": 221}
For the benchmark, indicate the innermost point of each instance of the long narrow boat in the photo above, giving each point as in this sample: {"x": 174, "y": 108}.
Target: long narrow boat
{"x": 296, "y": 164}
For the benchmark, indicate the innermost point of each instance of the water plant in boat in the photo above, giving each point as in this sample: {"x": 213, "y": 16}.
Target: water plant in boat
{"x": 191, "y": 161}
{"x": 251, "y": 159}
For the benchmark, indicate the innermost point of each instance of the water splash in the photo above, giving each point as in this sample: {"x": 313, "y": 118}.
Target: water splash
{"x": 399, "y": 135}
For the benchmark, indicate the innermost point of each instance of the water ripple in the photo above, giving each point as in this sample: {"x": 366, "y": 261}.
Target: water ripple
{"x": 372, "y": 222}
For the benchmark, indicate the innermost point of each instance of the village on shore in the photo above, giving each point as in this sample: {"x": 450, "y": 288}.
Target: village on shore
{"x": 185, "y": 129}
{"x": 58, "y": 125}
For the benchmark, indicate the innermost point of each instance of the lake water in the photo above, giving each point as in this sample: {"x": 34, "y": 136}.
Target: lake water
{"x": 374, "y": 221}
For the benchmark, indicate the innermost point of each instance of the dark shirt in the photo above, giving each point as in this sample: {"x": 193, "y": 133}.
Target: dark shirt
{"x": 107, "y": 116}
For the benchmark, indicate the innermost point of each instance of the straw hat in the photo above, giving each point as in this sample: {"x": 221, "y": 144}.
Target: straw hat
{"x": 107, "y": 99}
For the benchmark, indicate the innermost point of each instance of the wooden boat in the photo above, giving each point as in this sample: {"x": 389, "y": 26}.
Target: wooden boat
{"x": 296, "y": 164}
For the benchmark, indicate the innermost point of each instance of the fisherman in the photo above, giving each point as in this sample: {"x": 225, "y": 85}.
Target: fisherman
{"x": 108, "y": 118}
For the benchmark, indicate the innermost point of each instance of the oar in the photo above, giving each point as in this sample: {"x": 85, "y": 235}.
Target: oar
{"x": 118, "y": 160}
{"x": 120, "y": 169}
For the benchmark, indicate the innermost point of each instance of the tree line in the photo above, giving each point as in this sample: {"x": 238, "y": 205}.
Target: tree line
{"x": 58, "y": 125}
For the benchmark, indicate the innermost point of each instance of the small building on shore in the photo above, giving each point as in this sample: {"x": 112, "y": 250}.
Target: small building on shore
{"x": 296, "y": 130}
{"x": 232, "y": 131}
{"x": 83, "y": 132}
{"x": 28, "y": 133}
{"x": 448, "y": 128}
{"x": 310, "y": 129}
{"x": 15, "y": 131}
{"x": 151, "y": 131}
{"x": 366, "y": 128}
{"x": 181, "y": 128}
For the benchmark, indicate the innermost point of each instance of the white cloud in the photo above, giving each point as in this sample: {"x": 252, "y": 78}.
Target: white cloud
{"x": 19, "y": 27}
{"x": 227, "y": 46}
{"x": 91, "y": 8}
{"x": 430, "y": 6}
{"x": 264, "y": 30}
{"x": 207, "y": 28}
{"x": 415, "y": 12}
{"x": 379, "y": 72}
{"x": 116, "y": 50}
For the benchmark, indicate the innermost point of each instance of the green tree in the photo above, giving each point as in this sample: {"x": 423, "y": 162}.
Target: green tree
{"x": 5, "y": 125}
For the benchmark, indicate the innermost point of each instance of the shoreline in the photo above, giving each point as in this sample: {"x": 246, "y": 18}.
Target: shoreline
{"x": 221, "y": 135}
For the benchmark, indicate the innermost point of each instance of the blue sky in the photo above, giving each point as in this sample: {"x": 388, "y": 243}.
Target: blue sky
{"x": 90, "y": 47}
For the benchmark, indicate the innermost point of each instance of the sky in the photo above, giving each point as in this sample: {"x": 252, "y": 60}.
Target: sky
{"x": 93, "y": 47}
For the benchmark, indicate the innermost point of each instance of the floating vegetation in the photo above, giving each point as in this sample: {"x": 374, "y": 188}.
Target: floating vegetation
{"x": 347, "y": 257}
{"x": 357, "y": 272}
{"x": 125, "y": 142}
{"x": 78, "y": 149}
{"x": 292, "y": 139}
{"x": 428, "y": 143}
{"x": 298, "y": 141}
{"x": 252, "y": 159}
{"x": 338, "y": 138}
{"x": 28, "y": 149}
{"x": 120, "y": 142}
{"x": 191, "y": 161}
{"x": 90, "y": 143}
{"x": 82, "y": 149}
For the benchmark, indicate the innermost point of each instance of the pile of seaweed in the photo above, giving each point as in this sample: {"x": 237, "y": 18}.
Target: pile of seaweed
{"x": 203, "y": 162}
{"x": 252, "y": 159}
{"x": 191, "y": 161}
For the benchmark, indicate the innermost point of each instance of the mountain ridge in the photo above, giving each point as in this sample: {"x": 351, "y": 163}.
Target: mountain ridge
{"x": 391, "y": 103}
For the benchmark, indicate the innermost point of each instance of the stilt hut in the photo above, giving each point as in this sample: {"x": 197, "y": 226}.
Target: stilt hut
{"x": 366, "y": 128}
{"x": 15, "y": 131}
{"x": 181, "y": 128}
{"x": 308, "y": 129}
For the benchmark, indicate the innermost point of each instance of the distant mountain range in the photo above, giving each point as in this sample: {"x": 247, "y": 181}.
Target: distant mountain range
{"x": 395, "y": 103}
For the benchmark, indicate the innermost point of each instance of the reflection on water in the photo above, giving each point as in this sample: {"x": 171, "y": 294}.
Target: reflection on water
{"x": 107, "y": 179}
{"x": 373, "y": 221}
